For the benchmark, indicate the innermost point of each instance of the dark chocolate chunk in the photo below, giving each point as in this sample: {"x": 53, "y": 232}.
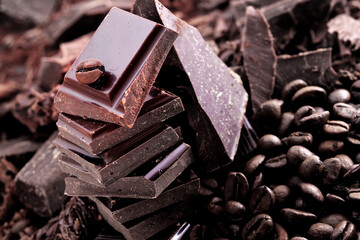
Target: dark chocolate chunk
{"x": 123, "y": 158}
{"x": 131, "y": 69}
{"x": 259, "y": 57}
{"x": 95, "y": 137}
{"x": 132, "y": 186}
{"x": 218, "y": 92}
{"x": 40, "y": 183}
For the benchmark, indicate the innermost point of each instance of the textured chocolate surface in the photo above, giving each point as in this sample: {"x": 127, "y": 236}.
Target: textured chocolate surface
{"x": 95, "y": 137}
{"x": 132, "y": 186}
{"x": 123, "y": 158}
{"x": 131, "y": 69}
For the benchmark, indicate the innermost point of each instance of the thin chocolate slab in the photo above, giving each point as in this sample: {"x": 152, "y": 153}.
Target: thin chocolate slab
{"x": 95, "y": 137}
{"x": 40, "y": 183}
{"x": 259, "y": 57}
{"x": 123, "y": 158}
{"x": 130, "y": 69}
{"x": 219, "y": 95}
{"x": 133, "y": 186}
{"x": 135, "y": 209}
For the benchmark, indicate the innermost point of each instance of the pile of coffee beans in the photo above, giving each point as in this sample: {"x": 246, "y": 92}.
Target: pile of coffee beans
{"x": 302, "y": 182}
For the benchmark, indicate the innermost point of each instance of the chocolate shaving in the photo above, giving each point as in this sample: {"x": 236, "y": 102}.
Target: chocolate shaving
{"x": 347, "y": 29}
{"x": 259, "y": 57}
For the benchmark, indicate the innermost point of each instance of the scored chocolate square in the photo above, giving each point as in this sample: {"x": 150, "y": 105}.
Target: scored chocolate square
{"x": 111, "y": 78}
{"x": 95, "y": 136}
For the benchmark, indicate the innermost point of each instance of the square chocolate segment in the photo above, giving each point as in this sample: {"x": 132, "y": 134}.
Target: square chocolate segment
{"x": 95, "y": 136}
{"x": 123, "y": 158}
{"x": 132, "y": 50}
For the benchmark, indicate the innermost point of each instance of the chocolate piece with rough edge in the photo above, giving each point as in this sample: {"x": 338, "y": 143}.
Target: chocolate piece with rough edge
{"x": 123, "y": 158}
{"x": 40, "y": 183}
{"x": 218, "y": 124}
{"x": 314, "y": 67}
{"x": 259, "y": 57}
{"x": 134, "y": 208}
{"x": 131, "y": 69}
{"x": 95, "y": 137}
{"x": 132, "y": 186}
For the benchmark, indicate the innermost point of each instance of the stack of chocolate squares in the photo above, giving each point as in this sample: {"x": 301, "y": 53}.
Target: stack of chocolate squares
{"x": 113, "y": 135}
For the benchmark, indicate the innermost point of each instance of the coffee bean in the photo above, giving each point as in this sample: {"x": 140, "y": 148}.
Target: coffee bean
{"x": 354, "y": 194}
{"x": 285, "y": 123}
{"x": 291, "y": 88}
{"x": 270, "y": 110}
{"x": 310, "y": 168}
{"x": 320, "y": 231}
{"x": 353, "y": 173}
{"x": 269, "y": 143}
{"x": 345, "y": 230}
{"x": 339, "y": 95}
{"x": 353, "y": 138}
{"x": 236, "y": 187}
{"x": 276, "y": 163}
{"x": 335, "y": 200}
{"x": 355, "y": 121}
{"x": 335, "y": 128}
{"x": 235, "y": 210}
{"x": 258, "y": 228}
{"x": 216, "y": 207}
{"x": 294, "y": 216}
{"x": 234, "y": 230}
{"x": 344, "y": 111}
{"x": 258, "y": 181}
{"x": 199, "y": 232}
{"x": 309, "y": 95}
{"x": 89, "y": 71}
{"x": 333, "y": 219}
{"x": 346, "y": 162}
{"x": 303, "y": 112}
{"x": 311, "y": 192}
{"x": 294, "y": 181}
{"x": 298, "y": 138}
{"x": 262, "y": 200}
{"x": 355, "y": 91}
{"x": 297, "y": 154}
{"x": 253, "y": 164}
{"x": 298, "y": 238}
{"x": 331, "y": 171}
{"x": 357, "y": 158}
{"x": 314, "y": 121}
{"x": 330, "y": 146}
{"x": 282, "y": 194}
{"x": 300, "y": 203}
{"x": 280, "y": 232}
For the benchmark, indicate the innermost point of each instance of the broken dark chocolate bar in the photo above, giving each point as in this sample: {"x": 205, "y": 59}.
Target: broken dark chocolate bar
{"x": 95, "y": 137}
{"x": 133, "y": 186}
{"x": 40, "y": 183}
{"x": 132, "y": 50}
{"x": 218, "y": 92}
{"x": 123, "y": 158}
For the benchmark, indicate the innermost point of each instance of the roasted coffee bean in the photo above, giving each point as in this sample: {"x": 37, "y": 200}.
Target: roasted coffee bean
{"x": 291, "y": 88}
{"x": 199, "y": 232}
{"x": 270, "y": 110}
{"x": 333, "y": 219}
{"x": 355, "y": 121}
{"x": 280, "y": 232}
{"x": 312, "y": 95}
{"x": 298, "y": 238}
{"x": 89, "y": 71}
{"x": 339, "y": 95}
{"x": 335, "y": 200}
{"x": 298, "y": 138}
{"x": 262, "y": 200}
{"x": 253, "y": 164}
{"x": 285, "y": 123}
{"x": 269, "y": 143}
{"x": 276, "y": 163}
{"x": 320, "y": 231}
{"x": 344, "y": 111}
{"x": 216, "y": 206}
{"x": 235, "y": 210}
{"x": 258, "y": 181}
{"x": 294, "y": 216}
{"x": 258, "y": 228}
{"x": 297, "y": 154}
{"x": 345, "y": 230}
{"x": 314, "y": 121}
{"x": 236, "y": 187}
{"x": 354, "y": 194}
{"x": 330, "y": 146}
{"x": 210, "y": 183}
{"x": 353, "y": 138}
{"x": 294, "y": 181}
{"x": 300, "y": 203}
{"x": 310, "y": 168}
{"x": 303, "y": 112}
{"x": 353, "y": 173}
{"x": 311, "y": 192}
{"x": 346, "y": 162}
{"x": 335, "y": 128}
{"x": 282, "y": 194}
{"x": 234, "y": 230}
{"x": 355, "y": 91}
{"x": 331, "y": 171}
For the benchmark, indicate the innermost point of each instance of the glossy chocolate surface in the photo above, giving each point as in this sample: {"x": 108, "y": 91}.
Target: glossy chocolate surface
{"x": 132, "y": 50}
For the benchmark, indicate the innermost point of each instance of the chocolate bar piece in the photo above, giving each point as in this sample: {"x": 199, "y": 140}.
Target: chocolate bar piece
{"x": 217, "y": 91}
{"x": 130, "y": 69}
{"x": 40, "y": 183}
{"x": 123, "y": 158}
{"x": 95, "y": 136}
{"x": 133, "y": 186}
